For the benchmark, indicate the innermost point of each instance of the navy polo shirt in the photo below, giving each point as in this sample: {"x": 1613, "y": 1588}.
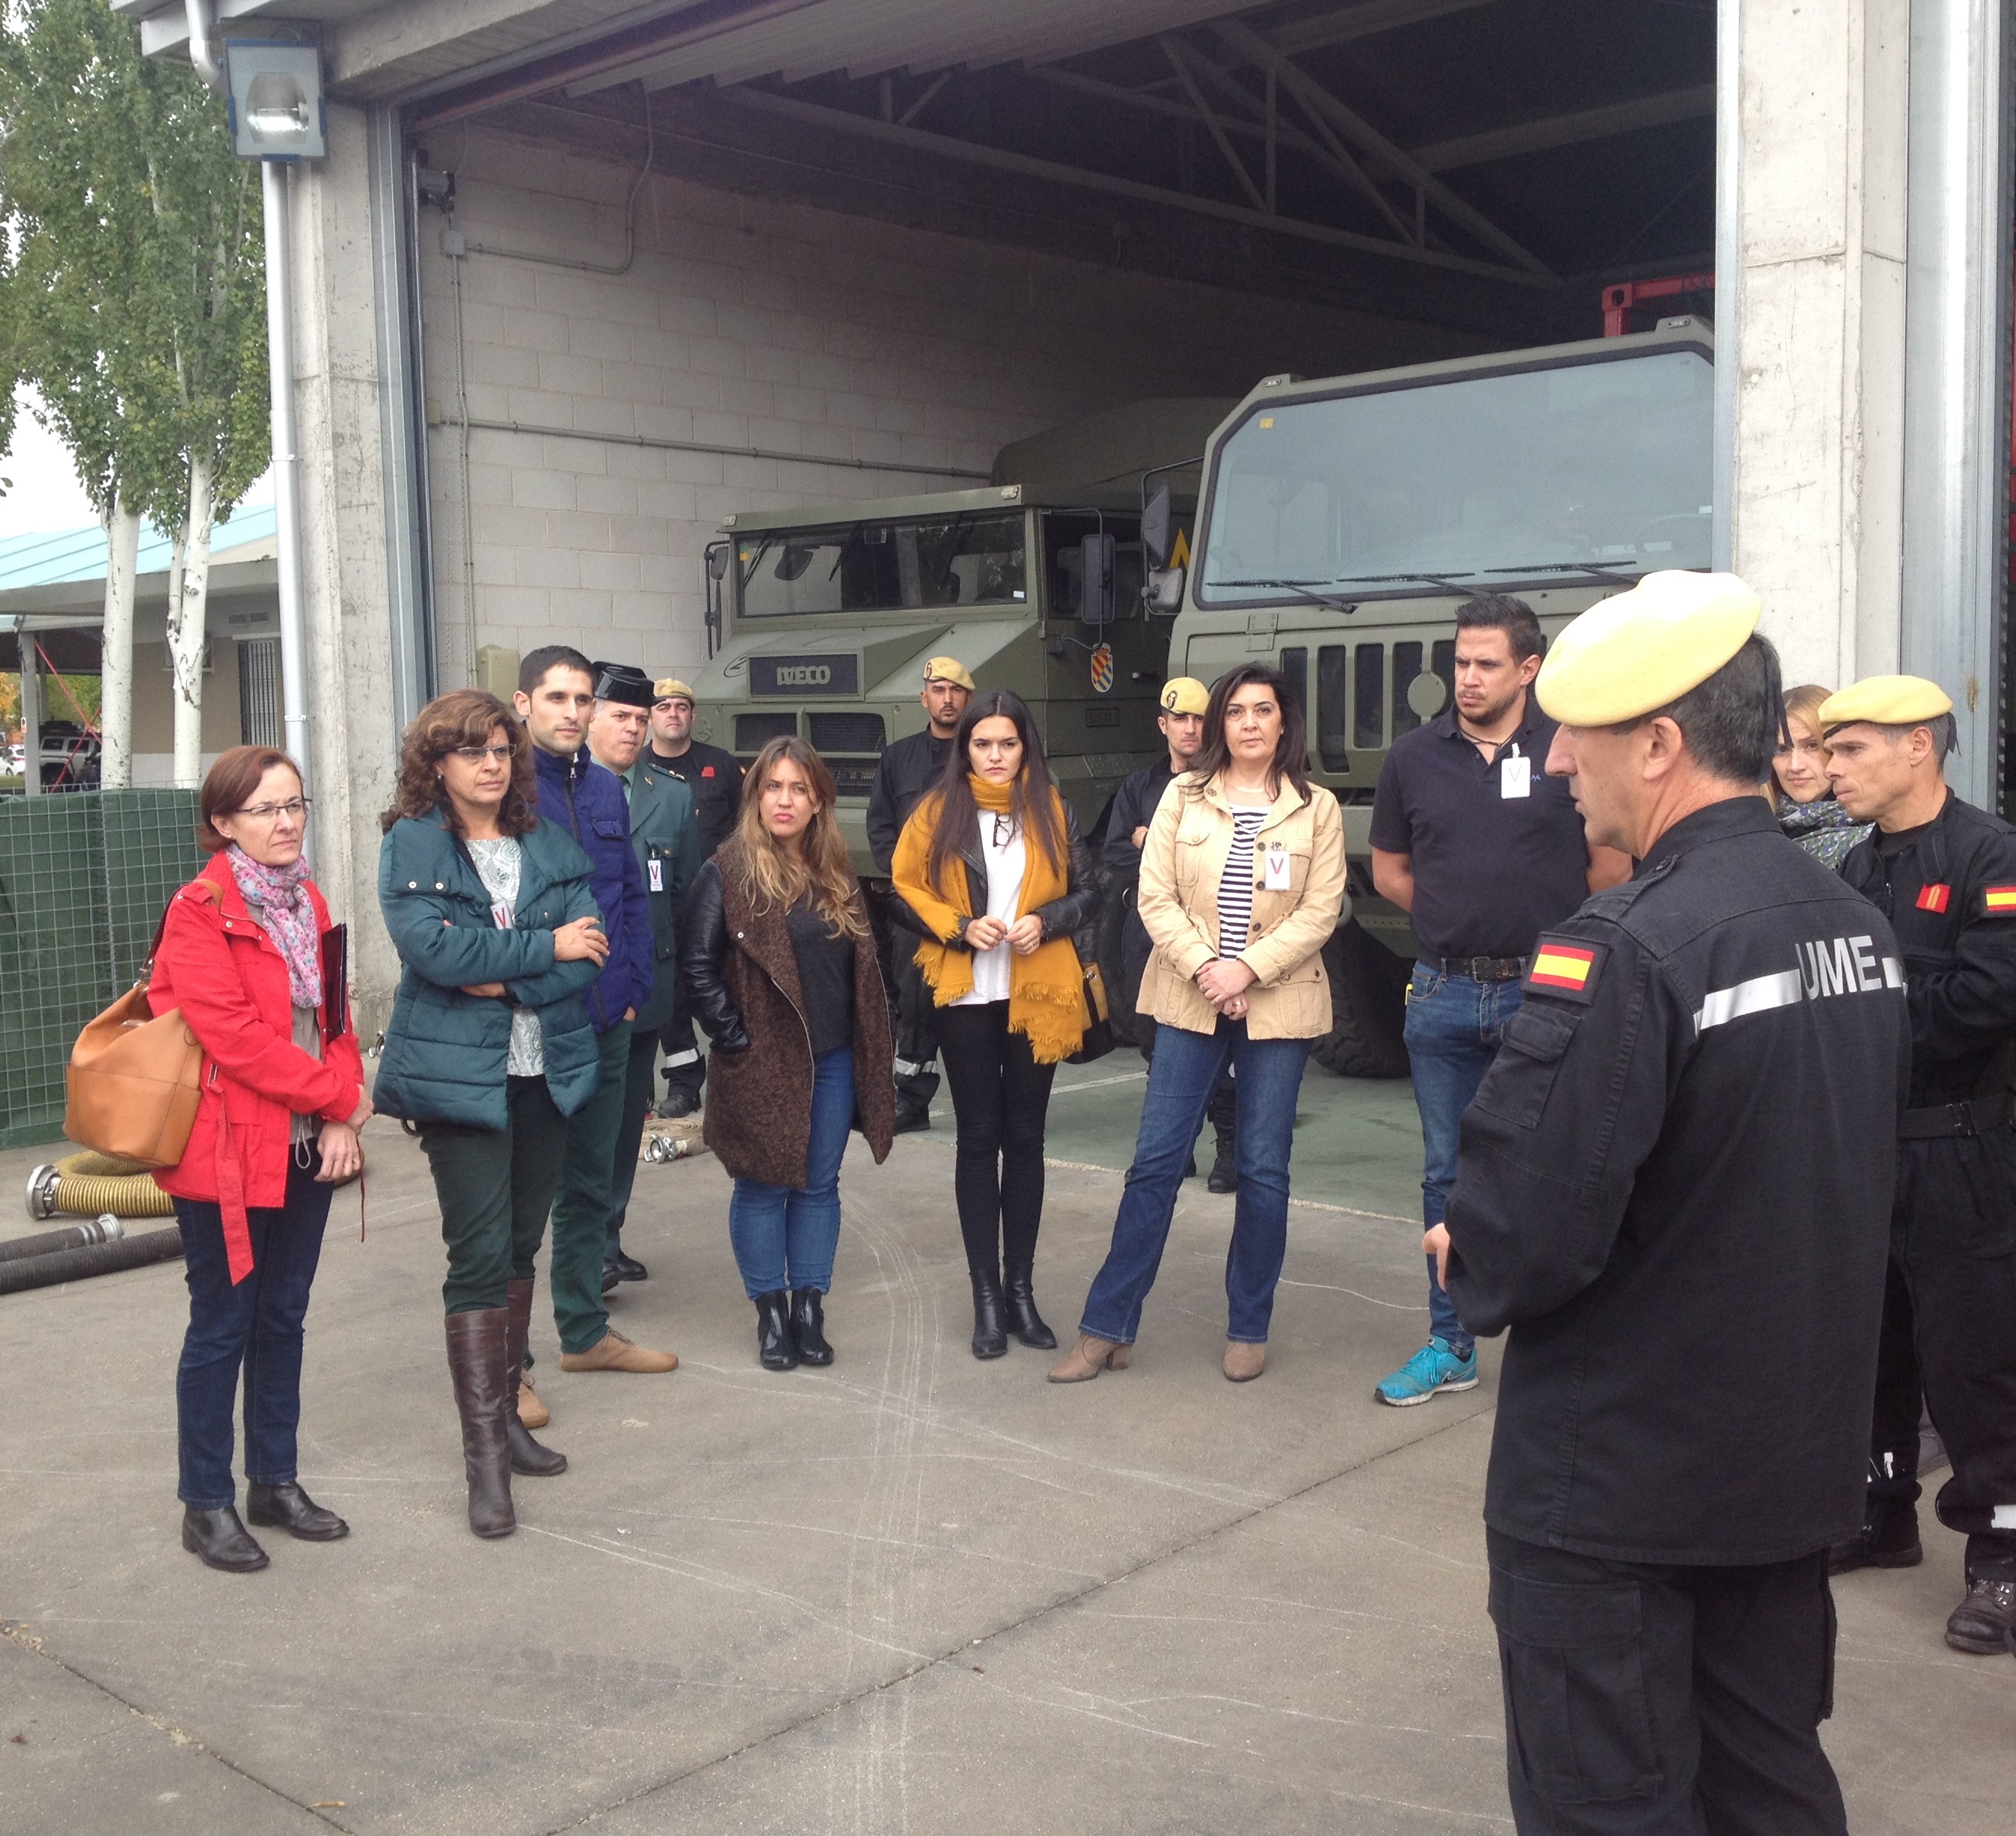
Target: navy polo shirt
{"x": 1490, "y": 872}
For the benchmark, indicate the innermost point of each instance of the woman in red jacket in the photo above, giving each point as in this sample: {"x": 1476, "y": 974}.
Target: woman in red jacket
{"x": 242, "y": 955}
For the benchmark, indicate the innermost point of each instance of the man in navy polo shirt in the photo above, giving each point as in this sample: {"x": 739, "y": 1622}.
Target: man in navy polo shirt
{"x": 1484, "y": 851}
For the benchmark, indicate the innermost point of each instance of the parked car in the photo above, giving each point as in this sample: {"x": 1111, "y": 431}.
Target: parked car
{"x": 70, "y": 757}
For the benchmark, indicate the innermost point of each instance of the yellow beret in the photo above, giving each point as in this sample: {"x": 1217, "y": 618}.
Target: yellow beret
{"x": 1645, "y": 647}
{"x": 949, "y": 668}
{"x": 1890, "y": 701}
{"x": 1184, "y": 694}
{"x": 672, "y": 688}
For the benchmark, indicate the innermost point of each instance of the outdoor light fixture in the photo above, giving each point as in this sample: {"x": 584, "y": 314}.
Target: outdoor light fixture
{"x": 277, "y": 111}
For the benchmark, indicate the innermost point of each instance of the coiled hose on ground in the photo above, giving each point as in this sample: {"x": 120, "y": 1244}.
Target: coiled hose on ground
{"x": 104, "y": 1189}
{"x": 89, "y": 1185}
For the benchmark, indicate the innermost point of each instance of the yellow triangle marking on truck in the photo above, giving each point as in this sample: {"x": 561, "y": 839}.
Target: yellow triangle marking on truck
{"x": 1179, "y": 556}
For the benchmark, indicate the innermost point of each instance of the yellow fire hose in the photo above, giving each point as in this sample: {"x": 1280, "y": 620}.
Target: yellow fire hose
{"x": 89, "y": 1185}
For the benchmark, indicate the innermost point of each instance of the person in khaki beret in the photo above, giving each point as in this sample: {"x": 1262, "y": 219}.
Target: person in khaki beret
{"x": 1944, "y": 874}
{"x": 1672, "y": 1188}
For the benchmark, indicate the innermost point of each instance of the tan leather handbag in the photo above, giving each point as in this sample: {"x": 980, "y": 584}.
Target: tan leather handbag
{"x": 133, "y": 1083}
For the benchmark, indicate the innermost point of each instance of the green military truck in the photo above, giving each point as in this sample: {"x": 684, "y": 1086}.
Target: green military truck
{"x": 1336, "y": 525}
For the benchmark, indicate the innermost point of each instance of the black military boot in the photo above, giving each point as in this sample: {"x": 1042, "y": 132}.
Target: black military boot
{"x": 990, "y": 1331}
{"x": 1888, "y": 1539}
{"x": 775, "y": 1349}
{"x": 1224, "y": 1175}
{"x": 1986, "y": 1621}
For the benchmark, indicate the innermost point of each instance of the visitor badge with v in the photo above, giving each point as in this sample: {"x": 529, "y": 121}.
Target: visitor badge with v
{"x": 1275, "y": 868}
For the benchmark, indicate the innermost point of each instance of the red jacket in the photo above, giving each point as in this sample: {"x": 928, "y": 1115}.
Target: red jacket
{"x": 217, "y": 964}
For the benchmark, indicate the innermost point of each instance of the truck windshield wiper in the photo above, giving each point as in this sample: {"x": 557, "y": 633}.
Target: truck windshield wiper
{"x": 1335, "y": 601}
{"x": 1580, "y": 567}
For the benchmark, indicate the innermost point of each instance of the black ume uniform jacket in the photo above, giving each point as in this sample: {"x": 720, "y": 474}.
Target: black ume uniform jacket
{"x": 1675, "y": 1189}
{"x": 1959, "y": 942}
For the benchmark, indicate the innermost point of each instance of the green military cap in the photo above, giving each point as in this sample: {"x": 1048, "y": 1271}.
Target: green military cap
{"x": 1889, "y": 701}
{"x": 1643, "y": 648}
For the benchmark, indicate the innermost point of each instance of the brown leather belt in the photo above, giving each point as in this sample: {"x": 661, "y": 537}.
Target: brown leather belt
{"x": 1955, "y": 1119}
{"x": 1485, "y": 969}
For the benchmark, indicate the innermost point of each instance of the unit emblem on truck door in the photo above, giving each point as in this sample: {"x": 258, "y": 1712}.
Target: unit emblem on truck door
{"x": 1102, "y": 669}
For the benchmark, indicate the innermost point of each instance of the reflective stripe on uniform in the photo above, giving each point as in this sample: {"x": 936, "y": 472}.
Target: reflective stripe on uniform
{"x": 690, "y": 1056}
{"x": 1753, "y": 996}
{"x": 1846, "y": 969}
{"x": 910, "y": 1068}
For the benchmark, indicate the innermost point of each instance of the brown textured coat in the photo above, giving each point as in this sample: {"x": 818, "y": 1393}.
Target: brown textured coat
{"x": 758, "y": 1115}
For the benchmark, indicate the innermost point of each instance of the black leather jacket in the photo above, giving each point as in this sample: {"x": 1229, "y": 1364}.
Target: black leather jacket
{"x": 1075, "y": 915}
{"x": 702, "y": 944}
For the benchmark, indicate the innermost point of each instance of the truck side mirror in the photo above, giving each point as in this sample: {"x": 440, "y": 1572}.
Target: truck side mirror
{"x": 1095, "y": 602}
{"x": 1164, "y": 592}
{"x": 717, "y": 561}
{"x": 1155, "y": 527}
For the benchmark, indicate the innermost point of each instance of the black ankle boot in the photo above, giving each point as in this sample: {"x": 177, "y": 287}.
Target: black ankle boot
{"x": 1224, "y": 1175}
{"x": 775, "y": 1349}
{"x": 286, "y": 1506}
{"x": 990, "y": 1336}
{"x": 1888, "y": 1539}
{"x": 1019, "y": 1291}
{"x": 221, "y": 1539}
{"x": 808, "y": 1327}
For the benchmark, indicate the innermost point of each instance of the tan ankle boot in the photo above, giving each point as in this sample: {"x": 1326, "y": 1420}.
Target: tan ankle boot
{"x": 613, "y": 1351}
{"x": 1244, "y": 1362}
{"x": 531, "y": 1411}
{"x": 1089, "y": 1356}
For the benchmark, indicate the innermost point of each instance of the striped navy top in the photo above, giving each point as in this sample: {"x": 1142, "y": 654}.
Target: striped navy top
{"x": 1235, "y": 889}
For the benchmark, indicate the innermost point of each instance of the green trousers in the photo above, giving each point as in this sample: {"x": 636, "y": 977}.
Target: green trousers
{"x": 495, "y": 1191}
{"x": 581, "y": 1202}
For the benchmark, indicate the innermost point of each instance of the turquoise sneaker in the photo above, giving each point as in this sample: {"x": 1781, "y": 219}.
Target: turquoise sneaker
{"x": 1435, "y": 1368}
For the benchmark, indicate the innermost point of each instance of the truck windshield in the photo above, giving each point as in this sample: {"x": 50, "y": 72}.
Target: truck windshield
{"x": 1602, "y": 467}
{"x": 966, "y": 560}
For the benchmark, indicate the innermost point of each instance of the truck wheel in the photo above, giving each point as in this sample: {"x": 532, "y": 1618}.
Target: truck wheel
{"x": 1368, "y": 1006}
{"x": 1121, "y": 990}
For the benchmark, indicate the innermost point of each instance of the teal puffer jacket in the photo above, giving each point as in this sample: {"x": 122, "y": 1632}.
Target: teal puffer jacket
{"x": 445, "y": 1052}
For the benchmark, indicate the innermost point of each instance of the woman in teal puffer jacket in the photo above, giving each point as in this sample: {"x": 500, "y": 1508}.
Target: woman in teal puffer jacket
{"x": 489, "y": 1049}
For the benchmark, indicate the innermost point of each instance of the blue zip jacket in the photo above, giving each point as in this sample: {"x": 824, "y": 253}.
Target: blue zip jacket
{"x": 587, "y": 803}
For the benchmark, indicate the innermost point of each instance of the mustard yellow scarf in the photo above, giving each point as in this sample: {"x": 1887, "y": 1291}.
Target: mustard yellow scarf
{"x": 1045, "y": 988}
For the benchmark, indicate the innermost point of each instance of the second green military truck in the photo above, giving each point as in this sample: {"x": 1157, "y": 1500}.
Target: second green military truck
{"x": 1337, "y": 525}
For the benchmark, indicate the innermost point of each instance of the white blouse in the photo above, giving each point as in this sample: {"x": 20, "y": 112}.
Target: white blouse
{"x": 1006, "y": 862}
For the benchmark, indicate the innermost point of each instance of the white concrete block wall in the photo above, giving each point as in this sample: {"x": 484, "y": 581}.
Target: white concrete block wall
{"x": 743, "y": 322}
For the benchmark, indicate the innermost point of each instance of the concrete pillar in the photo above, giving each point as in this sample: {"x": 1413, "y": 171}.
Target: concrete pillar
{"x": 353, "y": 736}
{"x": 1810, "y": 323}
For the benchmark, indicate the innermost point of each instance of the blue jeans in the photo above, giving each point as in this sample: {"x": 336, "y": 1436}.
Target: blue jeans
{"x": 1455, "y": 1024}
{"x": 784, "y": 1237}
{"x": 1186, "y": 1070}
{"x": 257, "y": 1325}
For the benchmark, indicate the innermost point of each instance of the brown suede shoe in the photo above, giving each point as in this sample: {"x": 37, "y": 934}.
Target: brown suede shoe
{"x": 531, "y": 1411}
{"x": 613, "y": 1351}
{"x": 1244, "y": 1362}
{"x": 1089, "y": 1356}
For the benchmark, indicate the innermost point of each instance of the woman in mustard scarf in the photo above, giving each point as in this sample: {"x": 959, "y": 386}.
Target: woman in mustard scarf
{"x": 992, "y": 863}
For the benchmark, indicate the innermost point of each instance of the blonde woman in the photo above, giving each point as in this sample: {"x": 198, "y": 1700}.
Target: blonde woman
{"x": 1798, "y": 789}
{"x": 779, "y": 961}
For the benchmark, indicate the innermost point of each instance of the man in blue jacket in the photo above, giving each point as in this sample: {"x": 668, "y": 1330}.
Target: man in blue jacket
{"x": 555, "y": 693}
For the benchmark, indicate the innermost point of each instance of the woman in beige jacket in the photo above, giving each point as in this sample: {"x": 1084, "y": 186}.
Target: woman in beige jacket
{"x": 1242, "y": 883}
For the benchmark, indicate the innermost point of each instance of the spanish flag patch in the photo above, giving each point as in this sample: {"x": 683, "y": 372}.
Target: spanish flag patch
{"x": 1936, "y": 897}
{"x": 1998, "y": 901}
{"x": 1566, "y": 967}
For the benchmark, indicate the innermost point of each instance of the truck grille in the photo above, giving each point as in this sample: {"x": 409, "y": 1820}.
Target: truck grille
{"x": 847, "y": 733}
{"x": 754, "y": 731}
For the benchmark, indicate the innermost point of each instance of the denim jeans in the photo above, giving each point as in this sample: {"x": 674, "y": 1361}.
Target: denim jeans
{"x": 784, "y": 1237}
{"x": 1455, "y": 1024}
{"x": 256, "y": 1325}
{"x": 1186, "y": 1070}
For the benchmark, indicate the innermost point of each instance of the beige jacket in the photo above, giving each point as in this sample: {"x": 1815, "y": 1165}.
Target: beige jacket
{"x": 1182, "y": 861}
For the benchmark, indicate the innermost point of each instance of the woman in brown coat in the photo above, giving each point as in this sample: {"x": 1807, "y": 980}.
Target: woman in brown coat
{"x": 780, "y": 963}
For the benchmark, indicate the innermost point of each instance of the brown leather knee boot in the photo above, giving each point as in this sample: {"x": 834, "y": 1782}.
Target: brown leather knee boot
{"x": 527, "y": 1457}
{"x": 476, "y": 1363}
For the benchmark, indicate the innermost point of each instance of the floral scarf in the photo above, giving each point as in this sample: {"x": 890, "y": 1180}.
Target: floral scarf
{"x": 290, "y": 918}
{"x": 1824, "y": 829}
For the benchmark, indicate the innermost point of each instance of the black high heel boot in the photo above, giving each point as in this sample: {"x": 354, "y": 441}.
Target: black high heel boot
{"x": 776, "y": 1350}
{"x": 1024, "y": 1320}
{"x": 808, "y": 1327}
{"x": 990, "y": 1335}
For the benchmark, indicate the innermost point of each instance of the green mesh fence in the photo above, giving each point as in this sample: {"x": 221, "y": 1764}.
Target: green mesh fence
{"x": 83, "y": 878}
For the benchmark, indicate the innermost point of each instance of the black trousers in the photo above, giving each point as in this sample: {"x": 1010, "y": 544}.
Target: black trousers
{"x": 1000, "y": 1096}
{"x": 1952, "y": 1236}
{"x": 685, "y": 1066}
{"x": 1900, "y": 1399}
{"x": 1665, "y": 1701}
{"x": 918, "y": 1028}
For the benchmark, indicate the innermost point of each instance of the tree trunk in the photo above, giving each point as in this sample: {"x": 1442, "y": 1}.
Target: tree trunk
{"x": 188, "y": 593}
{"x": 122, "y": 536}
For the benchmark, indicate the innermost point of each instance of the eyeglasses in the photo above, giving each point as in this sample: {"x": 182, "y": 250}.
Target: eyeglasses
{"x": 1004, "y": 831}
{"x": 294, "y": 809}
{"x": 476, "y": 754}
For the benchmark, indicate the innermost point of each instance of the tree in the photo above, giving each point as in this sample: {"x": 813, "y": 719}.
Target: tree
{"x": 136, "y": 304}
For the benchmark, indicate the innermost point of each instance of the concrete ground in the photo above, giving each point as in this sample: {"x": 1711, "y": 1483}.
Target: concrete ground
{"x": 911, "y": 1594}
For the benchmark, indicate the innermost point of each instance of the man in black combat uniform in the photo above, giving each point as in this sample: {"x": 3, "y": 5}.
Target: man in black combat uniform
{"x": 909, "y": 767}
{"x": 715, "y": 780}
{"x": 1674, "y": 1187}
{"x": 1944, "y": 874}
{"x": 1183, "y": 701}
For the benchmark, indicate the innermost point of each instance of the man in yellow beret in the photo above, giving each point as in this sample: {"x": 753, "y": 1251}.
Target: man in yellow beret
{"x": 1672, "y": 1188}
{"x": 1944, "y": 874}
{"x": 714, "y": 779}
{"x": 909, "y": 767}
{"x": 1180, "y": 707}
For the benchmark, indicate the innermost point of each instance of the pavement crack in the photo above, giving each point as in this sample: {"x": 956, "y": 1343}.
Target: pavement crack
{"x": 19, "y": 1633}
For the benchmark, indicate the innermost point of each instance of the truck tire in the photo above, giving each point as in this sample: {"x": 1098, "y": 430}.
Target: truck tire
{"x": 1368, "y": 1006}
{"x": 1115, "y": 908}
